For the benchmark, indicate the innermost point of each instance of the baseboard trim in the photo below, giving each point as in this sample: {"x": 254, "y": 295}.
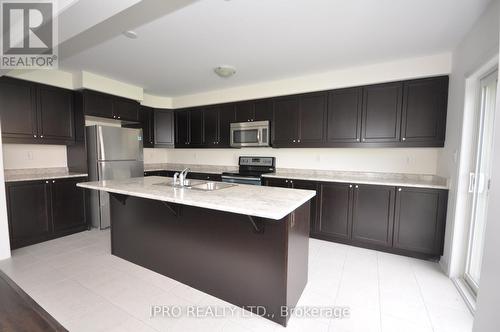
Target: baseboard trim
{"x": 466, "y": 293}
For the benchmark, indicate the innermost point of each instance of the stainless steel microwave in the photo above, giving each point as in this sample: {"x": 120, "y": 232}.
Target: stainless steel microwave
{"x": 245, "y": 134}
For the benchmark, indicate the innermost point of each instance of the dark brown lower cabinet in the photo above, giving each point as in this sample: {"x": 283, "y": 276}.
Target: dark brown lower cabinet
{"x": 420, "y": 220}
{"x": 204, "y": 176}
{"x": 68, "y": 204}
{"x": 335, "y": 221}
{"x": 28, "y": 212}
{"x": 42, "y": 210}
{"x": 373, "y": 215}
{"x": 400, "y": 220}
{"x": 309, "y": 185}
{"x": 278, "y": 182}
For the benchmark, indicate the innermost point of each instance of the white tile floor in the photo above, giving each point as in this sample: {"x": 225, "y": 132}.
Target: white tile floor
{"x": 85, "y": 288}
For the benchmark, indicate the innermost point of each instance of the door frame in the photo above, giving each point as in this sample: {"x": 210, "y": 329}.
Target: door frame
{"x": 459, "y": 227}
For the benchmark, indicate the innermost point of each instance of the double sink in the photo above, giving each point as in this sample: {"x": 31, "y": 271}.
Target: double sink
{"x": 197, "y": 185}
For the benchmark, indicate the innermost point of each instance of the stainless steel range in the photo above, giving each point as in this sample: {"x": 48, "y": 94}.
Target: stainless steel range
{"x": 251, "y": 170}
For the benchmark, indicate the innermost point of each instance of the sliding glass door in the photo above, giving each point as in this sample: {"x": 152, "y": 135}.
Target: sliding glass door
{"x": 479, "y": 179}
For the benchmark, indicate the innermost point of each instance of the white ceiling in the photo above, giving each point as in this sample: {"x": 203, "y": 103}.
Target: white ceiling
{"x": 274, "y": 39}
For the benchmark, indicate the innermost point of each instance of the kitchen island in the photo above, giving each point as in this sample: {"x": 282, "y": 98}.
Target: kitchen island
{"x": 247, "y": 245}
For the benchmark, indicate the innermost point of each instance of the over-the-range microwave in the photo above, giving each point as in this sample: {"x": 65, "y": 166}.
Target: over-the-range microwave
{"x": 244, "y": 134}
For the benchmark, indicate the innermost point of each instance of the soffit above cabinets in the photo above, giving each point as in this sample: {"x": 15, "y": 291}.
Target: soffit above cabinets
{"x": 175, "y": 53}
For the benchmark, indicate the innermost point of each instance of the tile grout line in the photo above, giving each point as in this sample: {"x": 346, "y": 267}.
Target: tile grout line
{"x": 422, "y": 296}
{"x": 340, "y": 283}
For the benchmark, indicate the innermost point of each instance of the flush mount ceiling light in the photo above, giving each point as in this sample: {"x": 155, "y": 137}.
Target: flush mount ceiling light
{"x": 130, "y": 34}
{"x": 225, "y": 71}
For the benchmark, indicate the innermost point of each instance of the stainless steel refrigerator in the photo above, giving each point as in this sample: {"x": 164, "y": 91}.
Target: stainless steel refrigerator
{"x": 112, "y": 153}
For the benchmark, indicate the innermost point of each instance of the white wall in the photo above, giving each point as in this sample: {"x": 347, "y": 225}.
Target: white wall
{"x": 417, "y": 67}
{"x": 477, "y": 47}
{"x": 415, "y": 160}
{"x": 33, "y": 156}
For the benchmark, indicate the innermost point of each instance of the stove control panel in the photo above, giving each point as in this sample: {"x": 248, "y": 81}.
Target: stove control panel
{"x": 257, "y": 161}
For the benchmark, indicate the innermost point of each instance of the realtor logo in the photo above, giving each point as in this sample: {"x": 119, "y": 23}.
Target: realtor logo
{"x": 28, "y": 35}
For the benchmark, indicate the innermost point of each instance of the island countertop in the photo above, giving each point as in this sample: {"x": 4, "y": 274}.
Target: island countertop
{"x": 257, "y": 201}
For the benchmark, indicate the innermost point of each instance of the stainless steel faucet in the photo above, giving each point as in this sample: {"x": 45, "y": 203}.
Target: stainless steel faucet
{"x": 183, "y": 175}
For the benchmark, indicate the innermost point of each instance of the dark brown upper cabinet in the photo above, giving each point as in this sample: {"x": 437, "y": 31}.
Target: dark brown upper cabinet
{"x": 147, "y": 124}
{"x": 420, "y": 220}
{"x": 425, "y": 103}
{"x": 163, "y": 128}
{"x": 382, "y": 106}
{"x": 344, "y": 116}
{"x": 196, "y": 128}
{"x": 244, "y": 111}
{"x": 211, "y": 126}
{"x": 263, "y": 110}
{"x": 18, "y": 109}
{"x": 189, "y": 128}
{"x": 55, "y": 114}
{"x": 299, "y": 121}
{"x": 312, "y": 115}
{"x": 226, "y": 117}
{"x": 108, "y": 106}
{"x": 335, "y": 221}
{"x": 97, "y": 104}
{"x": 373, "y": 215}
{"x": 125, "y": 109}
{"x": 253, "y": 110}
{"x": 182, "y": 128}
{"x": 285, "y": 130}
{"x": 36, "y": 113}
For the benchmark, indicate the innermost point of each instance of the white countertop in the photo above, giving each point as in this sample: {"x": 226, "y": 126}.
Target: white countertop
{"x": 34, "y": 174}
{"x": 257, "y": 201}
{"x": 375, "y": 178}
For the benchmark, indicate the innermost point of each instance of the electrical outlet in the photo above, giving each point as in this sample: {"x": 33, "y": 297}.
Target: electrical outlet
{"x": 30, "y": 155}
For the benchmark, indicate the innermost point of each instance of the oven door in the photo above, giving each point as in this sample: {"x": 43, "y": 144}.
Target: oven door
{"x": 250, "y": 134}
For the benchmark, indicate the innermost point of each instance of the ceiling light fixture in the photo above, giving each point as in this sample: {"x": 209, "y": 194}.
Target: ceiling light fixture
{"x": 225, "y": 71}
{"x": 130, "y": 34}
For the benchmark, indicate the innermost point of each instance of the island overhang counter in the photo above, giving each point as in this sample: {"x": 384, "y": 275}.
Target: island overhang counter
{"x": 247, "y": 245}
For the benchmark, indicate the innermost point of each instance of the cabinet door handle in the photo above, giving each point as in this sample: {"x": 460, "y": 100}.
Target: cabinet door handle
{"x": 294, "y": 141}
{"x": 404, "y": 138}
{"x": 41, "y": 136}
{"x": 350, "y": 186}
{"x": 357, "y": 186}
{"x": 46, "y": 181}
{"x": 118, "y": 117}
{"x": 34, "y": 136}
{"x": 472, "y": 180}
{"x": 298, "y": 141}
{"x": 399, "y": 189}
